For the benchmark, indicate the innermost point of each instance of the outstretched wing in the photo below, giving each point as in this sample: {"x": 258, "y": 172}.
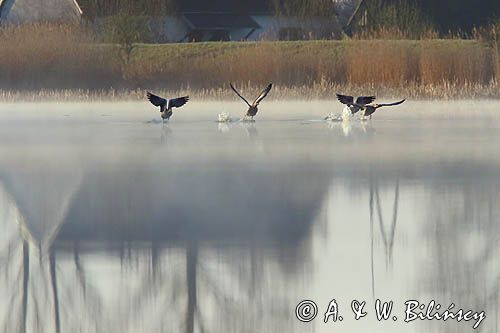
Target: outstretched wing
{"x": 363, "y": 100}
{"x": 157, "y": 101}
{"x": 392, "y": 104}
{"x": 177, "y": 102}
{"x": 237, "y": 93}
{"x": 348, "y": 100}
{"x": 262, "y": 95}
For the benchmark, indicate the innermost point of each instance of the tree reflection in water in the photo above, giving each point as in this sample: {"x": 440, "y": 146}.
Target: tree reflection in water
{"x": 387, "y": 238}
{"x": 464, "y": 239}
{"x": 139, "y": 266}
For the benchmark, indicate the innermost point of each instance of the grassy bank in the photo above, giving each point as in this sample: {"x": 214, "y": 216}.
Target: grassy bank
{"x": 65, "y": 58}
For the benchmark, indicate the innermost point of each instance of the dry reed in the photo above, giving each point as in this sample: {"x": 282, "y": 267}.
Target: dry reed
{"x": 50, "y": 56}
{"x": 47, "y": 58}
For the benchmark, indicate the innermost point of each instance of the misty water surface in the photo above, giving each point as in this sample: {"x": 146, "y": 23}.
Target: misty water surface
{"x": 113, "y": 222}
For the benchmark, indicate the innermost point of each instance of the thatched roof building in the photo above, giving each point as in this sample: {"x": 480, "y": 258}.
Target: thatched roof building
{"x": 28, "y": 11}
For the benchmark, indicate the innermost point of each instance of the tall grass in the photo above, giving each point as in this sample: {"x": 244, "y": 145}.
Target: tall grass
{"x": 48, "y": 57}
{"x": 490, "y": 35}
{"x": 382, "y": 65}
{"x": 51, "y": 56}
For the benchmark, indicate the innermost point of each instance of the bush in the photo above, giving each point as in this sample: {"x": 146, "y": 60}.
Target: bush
{"x": 383, "y": 18}
{"x": 126, "y": 31}
{"x": 490, "y": 34}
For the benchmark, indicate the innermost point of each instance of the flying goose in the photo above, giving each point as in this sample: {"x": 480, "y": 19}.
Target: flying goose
{"x": 370, "y": 109}
{"x": 253, "y": 108}
{"x": 166, "y": 105}
{"x": 360, "y": 102}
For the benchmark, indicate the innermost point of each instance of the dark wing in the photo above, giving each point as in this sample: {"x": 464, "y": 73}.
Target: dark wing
{"x": 262, "y": 95}
{"x": 177, "y": 102}
{"x": 237, "y": 93}
{"x": 369, "y": 110}
{"x": 348, "y": 100}
{"x": 392, "y": 104}
{"x": 363, "y": 100}
{"x": 157, "y": 101}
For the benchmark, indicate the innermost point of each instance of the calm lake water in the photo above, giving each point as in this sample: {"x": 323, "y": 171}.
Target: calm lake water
{"x": 113, "y": 222}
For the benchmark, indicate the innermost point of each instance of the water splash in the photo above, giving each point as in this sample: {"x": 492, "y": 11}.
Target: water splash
{"x": 345, "y": 116}
{"x": 224, "y": 117}
{"x": 334, "y": 117}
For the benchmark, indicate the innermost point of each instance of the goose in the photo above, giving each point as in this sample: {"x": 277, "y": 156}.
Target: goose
{"x": 368, "y": 110}
{"x": 360, "y": 102}
{"x": 166, "y": 105}
{"x": 253, "y": 108}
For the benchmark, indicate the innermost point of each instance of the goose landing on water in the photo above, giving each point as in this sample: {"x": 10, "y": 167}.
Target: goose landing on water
{"x": 166, "y": 105}
{"x": 370, "y": 109}
{"x": 363, "y": 104}
{"x": 360, "y": 102}
{"x": 253, "y": 108}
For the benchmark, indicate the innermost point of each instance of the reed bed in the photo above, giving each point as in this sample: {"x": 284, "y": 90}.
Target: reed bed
{"x": 52, "y": 56}
{"x": 66, "y": 62}
{"x": 316, "y": 91}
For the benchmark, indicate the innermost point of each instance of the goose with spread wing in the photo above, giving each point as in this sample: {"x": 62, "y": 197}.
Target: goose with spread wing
{"x": 368, "y": 110}
{"x": 253, "y": 108}
{"x": 355, "y": 106}
{"x": 166, "y": 105}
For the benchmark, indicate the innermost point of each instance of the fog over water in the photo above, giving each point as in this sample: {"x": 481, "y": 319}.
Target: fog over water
{"x": 115, "y": 222}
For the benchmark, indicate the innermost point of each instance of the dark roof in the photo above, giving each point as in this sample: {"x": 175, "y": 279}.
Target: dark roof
{"x": 220, "y": 21}
{"x": 163, "y": 210}
{"x": 2, "y": 5}
{"x": 225, "y": 6}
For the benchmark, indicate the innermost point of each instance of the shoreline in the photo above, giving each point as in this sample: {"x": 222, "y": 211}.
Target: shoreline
{"x": 66, "y": 66}
{"x": 443, "y": 92}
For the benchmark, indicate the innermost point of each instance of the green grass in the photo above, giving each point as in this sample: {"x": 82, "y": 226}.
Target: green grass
{"x": 147, "y": 52}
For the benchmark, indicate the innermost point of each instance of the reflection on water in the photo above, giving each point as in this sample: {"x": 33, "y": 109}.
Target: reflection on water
{"x": 122, "y": 225}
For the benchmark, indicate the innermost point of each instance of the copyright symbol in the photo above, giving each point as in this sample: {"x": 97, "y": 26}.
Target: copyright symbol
{"x": 306, "y": 311}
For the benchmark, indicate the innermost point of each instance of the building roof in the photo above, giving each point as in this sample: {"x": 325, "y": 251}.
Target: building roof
{"x": 220, "y": 21}
{"x": 225, "y": 6}
{"x": 22, "y": 11}
{"x": 3, "y": 5}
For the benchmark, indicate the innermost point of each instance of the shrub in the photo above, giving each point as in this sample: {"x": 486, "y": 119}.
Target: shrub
{"x": 126, "y": 31}
{"x": 404, "y": 18}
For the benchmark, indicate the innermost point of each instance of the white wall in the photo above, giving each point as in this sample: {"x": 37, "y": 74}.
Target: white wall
{"x": 271, "y": 26}
{"x": 175, "y": 28}
{"x": 169, "y": 29}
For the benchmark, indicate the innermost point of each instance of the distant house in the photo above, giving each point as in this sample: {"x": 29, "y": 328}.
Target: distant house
{"x": 229, "y": 20}
{"x": 27, "y": 11}
{"x": 193, "y": 20}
